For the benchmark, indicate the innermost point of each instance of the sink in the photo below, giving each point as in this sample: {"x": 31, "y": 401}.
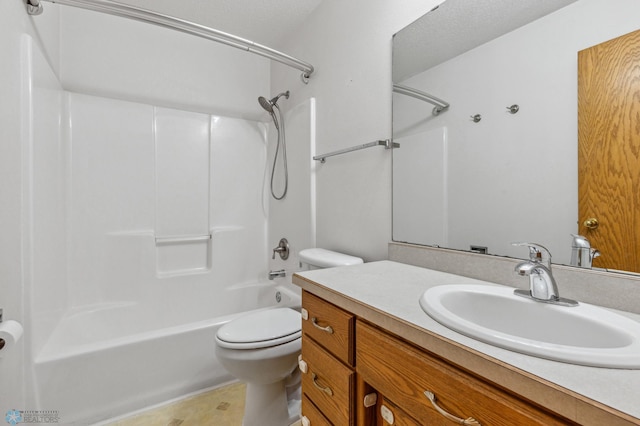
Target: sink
{"x": 584, "y": 334}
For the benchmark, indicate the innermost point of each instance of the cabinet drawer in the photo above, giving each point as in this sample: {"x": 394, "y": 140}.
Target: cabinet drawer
{"x": 402, "y": 373}
{"x": 398, "y": 416}
{"x": 313, "y": 415}
{"x": 328, "y": 383}
{"x": 330, "y": 326}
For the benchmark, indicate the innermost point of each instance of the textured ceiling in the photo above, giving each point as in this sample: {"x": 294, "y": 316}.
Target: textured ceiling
{"x": 263, "y": 22}
{"x": 457, "y": 26}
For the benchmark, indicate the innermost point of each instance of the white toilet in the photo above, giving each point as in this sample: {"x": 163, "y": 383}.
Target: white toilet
{"x": 262, "y": 348}
{"x": 319, "y": 258}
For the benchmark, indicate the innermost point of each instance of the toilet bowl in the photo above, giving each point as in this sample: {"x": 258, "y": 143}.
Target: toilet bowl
{"x": 262, "y": 348}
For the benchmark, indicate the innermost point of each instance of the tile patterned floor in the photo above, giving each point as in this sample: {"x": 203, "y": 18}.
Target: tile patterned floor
{"x": 218, "y": 407}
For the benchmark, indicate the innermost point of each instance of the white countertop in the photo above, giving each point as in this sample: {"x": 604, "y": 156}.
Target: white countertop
{"x": 394, "y": 289}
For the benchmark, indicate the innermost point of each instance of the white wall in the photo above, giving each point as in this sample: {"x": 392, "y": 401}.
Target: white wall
{"x": 349, "y": 43}
{"x": 36, "y": 166}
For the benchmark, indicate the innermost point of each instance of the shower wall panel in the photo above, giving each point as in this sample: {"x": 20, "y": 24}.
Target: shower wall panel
{"x": 238, "y": 204}
{"x": 182, "y": 145}
{"x": 111, "y": 191}
{"x": 140, "y": 174}
{"x": 46, "y": 184}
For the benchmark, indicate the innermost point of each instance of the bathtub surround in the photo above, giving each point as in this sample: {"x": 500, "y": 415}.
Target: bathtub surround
{"x": 141, "y": 227}
{"x": 143, "y": 285}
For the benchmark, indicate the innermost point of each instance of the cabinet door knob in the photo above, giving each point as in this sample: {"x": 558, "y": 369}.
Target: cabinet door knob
{"x": 303, "y": 366}
{"x": 370, "y": 399}
{"x": 326, "y": 329}
{"x": 387, "y": 415}
{"x": 325, "y": 389}
{"x": 468, "y": 421}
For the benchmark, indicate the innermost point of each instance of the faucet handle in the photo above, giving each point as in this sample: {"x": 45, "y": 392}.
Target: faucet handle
{"x": 282, "y": 249}
{"x": 537, "y": 252}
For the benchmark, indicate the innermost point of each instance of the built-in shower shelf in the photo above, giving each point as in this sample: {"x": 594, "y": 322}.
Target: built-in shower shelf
{"x": 177, "y": 239}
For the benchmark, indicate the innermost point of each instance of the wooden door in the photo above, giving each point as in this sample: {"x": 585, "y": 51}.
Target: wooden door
{"x": 609, "y": 150}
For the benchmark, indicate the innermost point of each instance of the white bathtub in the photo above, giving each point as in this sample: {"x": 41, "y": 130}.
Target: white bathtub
{"x": 108, "y": 360}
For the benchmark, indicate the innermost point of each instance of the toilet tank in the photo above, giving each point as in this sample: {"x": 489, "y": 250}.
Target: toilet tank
{"x": 318, "y": 258}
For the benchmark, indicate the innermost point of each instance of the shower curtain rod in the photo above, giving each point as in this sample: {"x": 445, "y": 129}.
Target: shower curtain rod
{"x": 440, "y": 105}
{"x": 34, "y": 7}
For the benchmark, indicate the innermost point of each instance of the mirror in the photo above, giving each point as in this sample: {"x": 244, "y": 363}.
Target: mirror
{"x": 478, "y": 175}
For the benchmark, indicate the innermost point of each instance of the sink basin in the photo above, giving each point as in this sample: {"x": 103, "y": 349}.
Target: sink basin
{"x": 585, "y": 334}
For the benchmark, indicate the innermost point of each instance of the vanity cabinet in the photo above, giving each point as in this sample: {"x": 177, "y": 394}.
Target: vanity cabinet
{"x": 327, "y": 363}
{"x": 346, "y": 358}
{"x": 401, "y": 373}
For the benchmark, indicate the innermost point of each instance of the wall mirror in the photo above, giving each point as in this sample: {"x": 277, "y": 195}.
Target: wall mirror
{"x": 478, "y": 175}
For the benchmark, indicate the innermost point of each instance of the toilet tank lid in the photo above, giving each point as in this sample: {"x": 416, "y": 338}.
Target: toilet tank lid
{"x": 326, "y": 258}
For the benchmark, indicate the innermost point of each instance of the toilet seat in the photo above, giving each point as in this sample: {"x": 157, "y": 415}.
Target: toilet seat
{"x": 262, "y": 329}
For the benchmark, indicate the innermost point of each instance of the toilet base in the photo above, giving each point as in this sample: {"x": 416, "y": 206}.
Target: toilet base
{"x": 267, "y": 405}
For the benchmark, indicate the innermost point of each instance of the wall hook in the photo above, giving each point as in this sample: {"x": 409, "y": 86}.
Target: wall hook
{"x": 513, "y": 108}
{"x": 476, "y": 118}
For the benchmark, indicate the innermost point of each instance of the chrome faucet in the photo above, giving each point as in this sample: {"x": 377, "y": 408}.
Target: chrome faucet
{"x": 582, "y": 254}
{"x": 542, "y": 284}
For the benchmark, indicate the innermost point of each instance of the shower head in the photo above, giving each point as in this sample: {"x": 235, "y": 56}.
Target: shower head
{"x": 268, "y": 105}
{"x": 265, "y": 104}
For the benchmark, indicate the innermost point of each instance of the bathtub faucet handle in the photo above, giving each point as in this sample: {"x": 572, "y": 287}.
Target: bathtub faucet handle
{"x": 282, "y": 249}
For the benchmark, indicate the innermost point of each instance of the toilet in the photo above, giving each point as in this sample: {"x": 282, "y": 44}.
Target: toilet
{"x": 319, "y": 258}
{"x": 262, "y": 348}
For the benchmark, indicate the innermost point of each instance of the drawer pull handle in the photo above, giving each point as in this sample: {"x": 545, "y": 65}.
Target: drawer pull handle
{"x": 327, "y": 329}
{"x": 469, "y": 421}
{"x": 325, "y": 389}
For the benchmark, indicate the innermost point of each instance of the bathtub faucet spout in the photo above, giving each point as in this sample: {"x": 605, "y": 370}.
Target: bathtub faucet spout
{"x": 277, "y": 274}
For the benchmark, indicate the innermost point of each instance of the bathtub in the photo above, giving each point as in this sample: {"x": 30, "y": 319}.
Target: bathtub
{"x": 110, "y": 359}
